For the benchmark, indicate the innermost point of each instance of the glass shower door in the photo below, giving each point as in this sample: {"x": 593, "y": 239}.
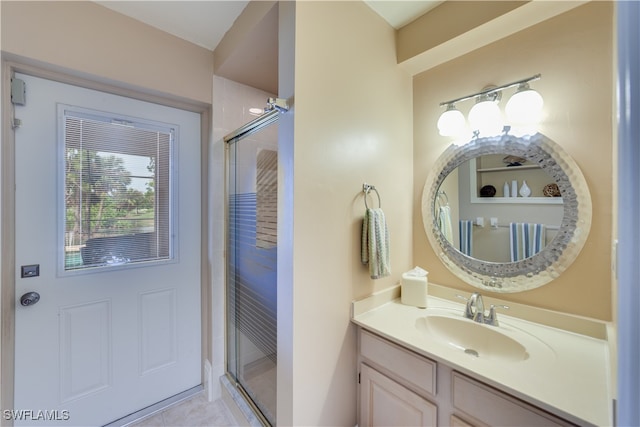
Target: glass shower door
{"x": 252, "y": 196}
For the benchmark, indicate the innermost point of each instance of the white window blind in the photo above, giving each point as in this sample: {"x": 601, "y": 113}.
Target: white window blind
{"x": 117, "y": 191}
{"x": 267, "y": 199}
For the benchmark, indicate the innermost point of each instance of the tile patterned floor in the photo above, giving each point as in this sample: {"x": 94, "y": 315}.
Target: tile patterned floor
{"x": 193, "y": 412}
{"x": 260, "y": 382}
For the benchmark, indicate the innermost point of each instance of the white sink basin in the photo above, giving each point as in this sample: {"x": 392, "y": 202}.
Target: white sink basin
{"x": 475, "y": 339}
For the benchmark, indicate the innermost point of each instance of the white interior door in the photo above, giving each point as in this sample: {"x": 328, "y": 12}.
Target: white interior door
{"x": 105, "y": 341}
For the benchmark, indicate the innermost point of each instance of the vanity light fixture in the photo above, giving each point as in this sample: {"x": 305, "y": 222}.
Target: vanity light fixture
{"x": 451, "y": 122}
{"x": 524, "y": 109}
{"x": 485, "y": 116}
{"x": 524, "y": 106}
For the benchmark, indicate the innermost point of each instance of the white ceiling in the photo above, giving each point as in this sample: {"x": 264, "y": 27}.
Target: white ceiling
{"x": 205, "y": 22}
{"x": 399, "y": 13}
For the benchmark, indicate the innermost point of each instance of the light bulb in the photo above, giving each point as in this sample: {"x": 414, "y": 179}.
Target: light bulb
{"x": 524, "y": 107}
{"x": 451, "y": 122}
{"x": 485, "y": 117}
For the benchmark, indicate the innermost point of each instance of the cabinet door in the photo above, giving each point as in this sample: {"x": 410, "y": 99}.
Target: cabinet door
{"x": 384, "y": 402}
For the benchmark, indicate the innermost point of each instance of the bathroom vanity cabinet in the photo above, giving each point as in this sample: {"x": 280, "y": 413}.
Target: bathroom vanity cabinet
{"x": 401, "y": 387}
{"x": 416, "y": 370}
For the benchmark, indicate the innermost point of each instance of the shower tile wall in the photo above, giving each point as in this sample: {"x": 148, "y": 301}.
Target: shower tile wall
{"x": 231, "y": 104}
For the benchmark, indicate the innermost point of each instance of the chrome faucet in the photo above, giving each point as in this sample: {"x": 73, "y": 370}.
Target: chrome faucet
{"x": 492, "y": 318}
{"x": 474, "y": 310}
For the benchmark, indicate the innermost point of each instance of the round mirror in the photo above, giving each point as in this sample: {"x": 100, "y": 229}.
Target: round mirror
{"x": 506, "y": 213}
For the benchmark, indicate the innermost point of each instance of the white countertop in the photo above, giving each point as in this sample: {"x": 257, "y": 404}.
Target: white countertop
{"x": 567, "y": 375}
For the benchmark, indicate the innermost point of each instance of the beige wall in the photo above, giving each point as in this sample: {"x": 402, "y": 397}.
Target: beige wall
{"x": 352, "y": 123}
{"x": 87, "y": 38}
{"x": 248, "y": 52}
{"x": 574, "y": 54}
{"x": 448, "y": 21}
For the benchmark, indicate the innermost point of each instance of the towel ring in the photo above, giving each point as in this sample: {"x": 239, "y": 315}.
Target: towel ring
{"x": 367, "y": 188}
{"x": 443, "y": 195}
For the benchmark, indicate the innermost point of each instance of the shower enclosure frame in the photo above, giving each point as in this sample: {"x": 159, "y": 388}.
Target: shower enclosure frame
{"x": 275, "y": 106}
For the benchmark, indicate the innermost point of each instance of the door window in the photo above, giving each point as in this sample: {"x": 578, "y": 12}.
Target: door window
{"x": 117, "y": 190}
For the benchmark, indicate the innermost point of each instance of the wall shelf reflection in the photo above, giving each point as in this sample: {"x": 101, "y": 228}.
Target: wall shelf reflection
{"x": 488, "y": 170}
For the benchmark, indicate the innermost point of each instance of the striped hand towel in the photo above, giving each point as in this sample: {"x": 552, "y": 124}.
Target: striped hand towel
{"x": 375, "y": 243}
{"x": 466, "y": 237}
{"x": 526, "y": 239}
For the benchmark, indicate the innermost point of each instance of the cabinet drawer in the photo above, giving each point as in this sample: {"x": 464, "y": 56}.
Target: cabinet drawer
{"x": 494, "y": 408}
{"x": 458, "y": 422}
{"x": 409, "y": 368}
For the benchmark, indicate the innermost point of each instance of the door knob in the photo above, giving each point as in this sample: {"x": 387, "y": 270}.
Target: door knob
{"x": 30, "y": 298}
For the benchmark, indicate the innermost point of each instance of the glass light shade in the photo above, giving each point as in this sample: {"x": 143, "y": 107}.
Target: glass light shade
{"x": 485, "y": 117}
{"x": 524, "y": 107}
{"x": 451, "y": 122}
